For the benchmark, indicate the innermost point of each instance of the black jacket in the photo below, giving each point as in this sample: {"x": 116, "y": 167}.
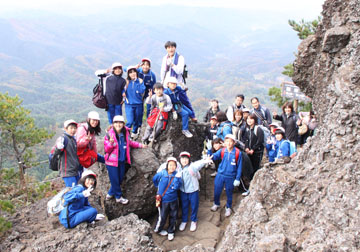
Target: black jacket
{"x": 210, "y": 113}
{"x": 289, "y": 124}
{"x": 254, "y": 141}
{"x": 114, "y": 88}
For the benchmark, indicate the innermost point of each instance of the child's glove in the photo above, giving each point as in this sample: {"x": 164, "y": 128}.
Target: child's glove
{"x": 209, "y": 145}
{"x": 236, "y": 182}
{"x": 99, "y": 217}
{"x": 175, "y": 116}
{"x": 87, "y": 192}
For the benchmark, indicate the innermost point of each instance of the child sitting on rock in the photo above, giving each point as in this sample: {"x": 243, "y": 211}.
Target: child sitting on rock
{"x": 270, "y": 143}
{"x": 168, "y": 182}
{"x": 189, "y": 190}
{"x": 160, "y": 106}
{"x": 181, "y": 104}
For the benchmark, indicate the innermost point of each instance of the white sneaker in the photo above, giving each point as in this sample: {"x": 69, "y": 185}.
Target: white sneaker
{"x": 214, "y": 208}
{"x": 122, "y": 200}
{"x": 182, "y": 226}
{"x": 187, "y": 133}
{"x": 213, "y": 174}
{"x": 246, "y": 193}
{"x": 163, "y": 233}
{"x": 109, "y": 197}
{"x": 227, "y": 212}
{"x": 170, "y": 237}
{"x": 193, "y": 226}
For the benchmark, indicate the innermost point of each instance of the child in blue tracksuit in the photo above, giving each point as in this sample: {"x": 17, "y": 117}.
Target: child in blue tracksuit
{"x": 282, "y": 146}
{"x": 168, "y": 182}
{"x": 149, "y": 79}
{"x": 134, "y": 100}
{"x": 270, "y": 143}
{"x": 77, "y": 208}
{"x": 229, "y": 173}
{"x": 189, "y": 190}
{"x": 181, "y": 104}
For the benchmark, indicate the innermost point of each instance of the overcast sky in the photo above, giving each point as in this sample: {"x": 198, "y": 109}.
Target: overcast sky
{"x": 307, "y": 9}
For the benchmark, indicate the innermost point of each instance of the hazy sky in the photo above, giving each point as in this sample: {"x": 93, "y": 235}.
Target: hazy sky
{"x": 308, "y": 9}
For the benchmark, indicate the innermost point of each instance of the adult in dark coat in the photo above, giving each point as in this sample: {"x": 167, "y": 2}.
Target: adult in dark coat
{"x": 288, "y": 121}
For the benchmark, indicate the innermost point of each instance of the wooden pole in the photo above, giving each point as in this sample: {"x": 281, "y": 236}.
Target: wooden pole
{"x": 296, "y": 106}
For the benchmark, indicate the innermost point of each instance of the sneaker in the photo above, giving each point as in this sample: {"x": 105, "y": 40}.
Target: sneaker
{"x": 194, "y": 119}
{"x": 156, "y": 230}
{"x": 170, "y": 237}
{"x": 109, "y": 197}
{"x": 187, "y": 133}
{"x": 182, "y": 226}
{"x": 213, "y": 174}
{"x": 134, "y": 135}
{"x": 193, "y": 226}
{"x": 163, "y": 233}
{"x": 122, "y": 200}
{"x": 227, "y": 212}
{"x": 246, "y": 193}
{"x": 214, "y": 208}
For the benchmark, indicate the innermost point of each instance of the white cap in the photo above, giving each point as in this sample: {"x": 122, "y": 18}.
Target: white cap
{"x": 131, "y": 67}
{"x": 116, "y": 64}
{"x": 171, "y": 159}
{"x": 246, "y": 110}
{"x": 88, "y": 172}
{"x": 171, "y": 79}
{"x": 280, "y": 129}
{"x": 118, "y": 118}
{"x": 231, "y": 136}
{"x": 185, "y": 153}
{"x": 94, "y": 115}
{"x": 68, "y": 122}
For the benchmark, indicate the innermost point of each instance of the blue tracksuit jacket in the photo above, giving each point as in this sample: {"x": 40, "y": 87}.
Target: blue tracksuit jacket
{"x": 228, "y": 166}
{"x": 134, "y": 92}
{"x": 149, "y": 80}
{"x": 179, "y": 96}
{"x": 161, "y": 180}
{"x": 282, "y": 148}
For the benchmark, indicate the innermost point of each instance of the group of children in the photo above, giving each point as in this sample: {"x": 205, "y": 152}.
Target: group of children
{"x": 235, "y": 141}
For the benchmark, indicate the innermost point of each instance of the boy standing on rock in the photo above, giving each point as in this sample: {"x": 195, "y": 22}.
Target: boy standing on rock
{"x": 229, "y": 173}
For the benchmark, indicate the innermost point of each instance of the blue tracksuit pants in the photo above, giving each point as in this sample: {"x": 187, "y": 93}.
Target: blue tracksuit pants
{"x": 116, "y": 176}
{"x": 70, "y": 181}
{"x": 113, "y": 110}
{"x": 168, "y": 209}
{"x": 185, "y": 112}
{"x": 219, "y": 183}
{"x": 134, "y": 114}
{"x": 87, "y": 215}
{"x": 186, "y": 200}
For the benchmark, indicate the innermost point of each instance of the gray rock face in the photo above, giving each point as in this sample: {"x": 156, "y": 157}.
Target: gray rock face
{"x": 312, "y": 204}
{"x": 138, "y": 186}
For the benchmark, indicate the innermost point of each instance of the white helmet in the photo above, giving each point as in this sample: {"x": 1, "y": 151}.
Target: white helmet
{"x": 118, "y": 118}
{"x": 116, "y": 64}
{"x": 94, "y": 115}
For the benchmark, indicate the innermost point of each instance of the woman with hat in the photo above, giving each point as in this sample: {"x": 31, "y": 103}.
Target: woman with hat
{"x": 86, "y": 141}
{"x": 117, "y": 146}
{"x": 77, "y": 208}
{"x": 114, "y": 85}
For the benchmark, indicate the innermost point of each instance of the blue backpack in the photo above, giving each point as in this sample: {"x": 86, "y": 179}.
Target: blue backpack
{"x": 292, "y": 148}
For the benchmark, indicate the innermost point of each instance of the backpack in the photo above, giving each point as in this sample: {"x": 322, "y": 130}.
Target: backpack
{"x": 292, "y": 148}
{"x": 55, "y": 158}
{"x": 86, "y": 156}
{"x": 185, "y": 74}
{"x": 98, "y": 98}
{"x": 237, "y": 153}
{"x": 56, "y": 204}
{"x": 266, "y": 132}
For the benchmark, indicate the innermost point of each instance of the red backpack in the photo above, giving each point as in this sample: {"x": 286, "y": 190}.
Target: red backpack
{"x": 237, "y": 153}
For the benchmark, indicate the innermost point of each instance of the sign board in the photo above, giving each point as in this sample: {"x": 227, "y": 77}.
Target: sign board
{"x": 291, "y": 91}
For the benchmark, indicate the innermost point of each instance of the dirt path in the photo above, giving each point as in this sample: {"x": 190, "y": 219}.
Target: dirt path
{"x": 211, "y": 225}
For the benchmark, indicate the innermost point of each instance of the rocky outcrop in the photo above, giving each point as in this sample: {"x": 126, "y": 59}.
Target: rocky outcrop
{"x": 312, "y": 204}
{"x": 138, "y": 186}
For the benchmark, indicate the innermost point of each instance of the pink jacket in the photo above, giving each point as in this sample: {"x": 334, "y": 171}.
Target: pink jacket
{"x": 81, "y": 138}
{"x": 113, "y": 148}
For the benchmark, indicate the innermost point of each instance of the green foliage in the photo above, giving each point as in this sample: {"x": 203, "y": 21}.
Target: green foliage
{"x": 4, "y": 225}
{"x": 289, "y": 70}
{"x": 275, "y": 94}
{"x": 7, "y": 206}
{"x": 305, "y": 29}
{"x": 19, "y": 133}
